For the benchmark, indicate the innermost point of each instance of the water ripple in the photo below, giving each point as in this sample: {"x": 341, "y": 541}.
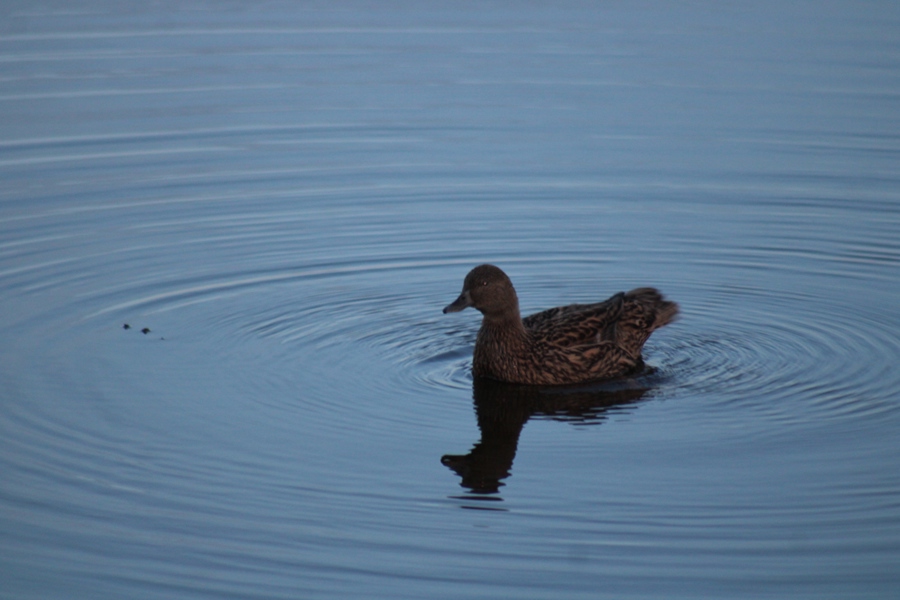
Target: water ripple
{"x": 790, "y": 357}
{"x": 787, "y": 357}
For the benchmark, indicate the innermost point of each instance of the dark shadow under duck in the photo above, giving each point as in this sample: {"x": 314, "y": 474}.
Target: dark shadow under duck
{"x": 503, "y": 409}
{"x": 564, "y": 345}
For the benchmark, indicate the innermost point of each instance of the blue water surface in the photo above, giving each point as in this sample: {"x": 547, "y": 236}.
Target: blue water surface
{"x": 227, "y": 231}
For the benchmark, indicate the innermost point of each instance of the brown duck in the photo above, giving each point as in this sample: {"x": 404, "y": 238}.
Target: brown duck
{"x": 564, "y": 345}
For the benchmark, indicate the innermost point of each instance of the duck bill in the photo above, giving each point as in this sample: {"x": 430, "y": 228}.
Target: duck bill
{"x": 464, "y": 301}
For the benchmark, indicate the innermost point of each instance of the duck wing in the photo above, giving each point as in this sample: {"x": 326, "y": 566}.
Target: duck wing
{"x": 577, "y": 324}
{"x": 580, "y": 364}
{"x": 627, "y": 319}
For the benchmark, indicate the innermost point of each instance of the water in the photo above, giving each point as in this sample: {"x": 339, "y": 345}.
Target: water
{"x": 285, "y": 196}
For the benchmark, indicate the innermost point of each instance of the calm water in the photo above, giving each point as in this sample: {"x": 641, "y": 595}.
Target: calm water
{"x": 284, "y": 196}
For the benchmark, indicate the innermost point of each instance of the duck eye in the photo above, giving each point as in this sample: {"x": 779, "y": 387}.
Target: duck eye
{"x": 483, "y": 282}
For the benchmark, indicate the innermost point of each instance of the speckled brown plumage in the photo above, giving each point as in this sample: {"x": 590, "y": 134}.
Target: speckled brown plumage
{"x": 563, "y": 345}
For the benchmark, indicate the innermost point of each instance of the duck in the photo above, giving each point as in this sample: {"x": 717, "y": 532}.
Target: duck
{"x": 574, "y": 344}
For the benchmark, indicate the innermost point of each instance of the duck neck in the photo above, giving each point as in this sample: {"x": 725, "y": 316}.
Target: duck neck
{"x": 501, "y": 343}
{"x": 505, "y": 329}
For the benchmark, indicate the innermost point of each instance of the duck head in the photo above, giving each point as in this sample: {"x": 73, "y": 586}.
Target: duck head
{"x": 489, "y": 290}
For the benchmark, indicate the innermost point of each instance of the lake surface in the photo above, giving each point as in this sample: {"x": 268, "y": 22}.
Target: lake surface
{"x": 278, "y": 199}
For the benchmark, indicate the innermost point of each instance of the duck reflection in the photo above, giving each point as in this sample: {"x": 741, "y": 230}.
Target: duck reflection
{"x": 504, "y": 408}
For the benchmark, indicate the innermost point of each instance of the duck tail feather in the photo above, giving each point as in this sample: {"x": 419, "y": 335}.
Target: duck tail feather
{"x": 666, "y": 312}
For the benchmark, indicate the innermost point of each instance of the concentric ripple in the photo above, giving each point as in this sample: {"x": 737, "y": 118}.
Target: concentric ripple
{"x": 791, "y": 357}
{"x": 786, "y": 357}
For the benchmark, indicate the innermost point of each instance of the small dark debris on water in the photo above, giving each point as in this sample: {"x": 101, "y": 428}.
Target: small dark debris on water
{"x": 145, "y": 330}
